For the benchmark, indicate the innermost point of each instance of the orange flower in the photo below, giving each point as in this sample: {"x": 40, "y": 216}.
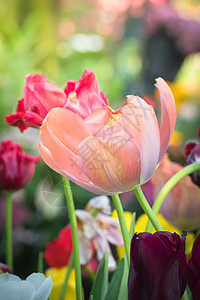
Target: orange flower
{"x": 109, "y": 151}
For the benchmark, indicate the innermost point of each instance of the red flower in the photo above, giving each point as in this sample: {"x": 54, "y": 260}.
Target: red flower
{"x": 83, "y": 96}
{"x": 16, "y": 167}
{"x": 193, "y": 270}
{"x": 157, "y": 266}
{"x": 40, "y": 96}
{"x": 58, "y": 251}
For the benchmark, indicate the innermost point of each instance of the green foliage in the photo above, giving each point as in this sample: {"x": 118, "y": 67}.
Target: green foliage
{"x": 100, "y": 285}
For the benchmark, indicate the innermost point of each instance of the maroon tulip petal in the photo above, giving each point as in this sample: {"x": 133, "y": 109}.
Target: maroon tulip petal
{"x": 157, "y": 266}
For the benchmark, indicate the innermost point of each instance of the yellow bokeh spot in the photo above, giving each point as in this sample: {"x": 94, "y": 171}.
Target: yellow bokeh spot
{"x": 177, "y": 139}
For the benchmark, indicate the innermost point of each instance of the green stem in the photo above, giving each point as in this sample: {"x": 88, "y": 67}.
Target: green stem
{"x": 169, "y": 185}
{"x": 40, "y": 262}
{"x": 122, "y": 222}
{"x": 147, "y": 209}
{"x": 68, "y": 272}
{"x": 185, "y": 296}
{"x": 9, "y": 248}
{"x": 72, "y": 217}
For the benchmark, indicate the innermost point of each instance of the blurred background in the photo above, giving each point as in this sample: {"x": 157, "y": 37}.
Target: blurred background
{"x": 127, "y": 43}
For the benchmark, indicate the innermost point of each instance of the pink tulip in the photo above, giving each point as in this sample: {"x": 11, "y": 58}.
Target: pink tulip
{"x": 110, "y": 151}
{"x": 40, "y": 96}
{"x": 83, "y": 96}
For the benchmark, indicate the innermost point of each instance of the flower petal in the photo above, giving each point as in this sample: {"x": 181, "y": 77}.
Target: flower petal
{"x": 168, "y": 115}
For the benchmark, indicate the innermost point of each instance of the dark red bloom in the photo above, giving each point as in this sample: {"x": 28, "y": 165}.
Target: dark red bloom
{"x": 192, "y": 151}
{"x": 16, "y": 167}
{"x": 40, "y": 96}
{"x": 193, "y": 270}
{"x": 157, "y": 266}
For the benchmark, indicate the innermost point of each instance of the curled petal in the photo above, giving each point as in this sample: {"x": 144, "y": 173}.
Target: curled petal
{"x": 168, "y": 115}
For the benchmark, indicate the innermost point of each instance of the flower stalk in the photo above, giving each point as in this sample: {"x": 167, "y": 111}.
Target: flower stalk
{"x": 147, "y": 209}
{"x": 122, "y": 222}
{"x": 9, "y": 249}
{"x": 72, "y": 217}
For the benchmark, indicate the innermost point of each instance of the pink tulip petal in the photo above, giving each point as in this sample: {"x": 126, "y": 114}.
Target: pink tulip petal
{"x": 49, "y": 160}
{"x": 68, "y": 128}
{"x": 141, "y": 127}
{"x": 113, "y": 169}
{"x": 168, "y": 115}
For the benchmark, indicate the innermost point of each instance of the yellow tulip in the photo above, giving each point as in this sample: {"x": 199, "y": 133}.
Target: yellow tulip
{"x": 58, "y": 277}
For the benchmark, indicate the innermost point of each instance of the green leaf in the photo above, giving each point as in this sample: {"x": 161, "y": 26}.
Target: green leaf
{"x": 100, "y": 285}
{"x": 123, "y": 294}
{"x": 114, "y": 287}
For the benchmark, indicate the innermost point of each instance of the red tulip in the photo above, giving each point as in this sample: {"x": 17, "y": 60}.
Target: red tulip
{"x": 58, "y": 251}
{"x": 193, "y": 270}
{"x": 109, "y": 151}
{"x": 16, "y": 167}
{"x": 157, "y": 266}
{"x": 40, "y": 96}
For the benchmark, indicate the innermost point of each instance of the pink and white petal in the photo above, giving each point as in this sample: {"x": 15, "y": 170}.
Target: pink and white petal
{"x": 111, "y": 229}
{"x": 102, "y": 203}
{"x": 116, "y": 169}
{"x": 141, "y": 127}
{"x": 168, "y": 115}
{"x": 101, "y": 245}
{"x": 87, "y": 223}
{"x": 85, "y": 249}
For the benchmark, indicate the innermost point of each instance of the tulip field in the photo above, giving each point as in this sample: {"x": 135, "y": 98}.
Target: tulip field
{"x": 100, "y": 150}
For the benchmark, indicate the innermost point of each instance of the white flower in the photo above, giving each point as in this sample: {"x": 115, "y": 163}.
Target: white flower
{"x": 35, "y": 287}
{"x": 98, "y": 228}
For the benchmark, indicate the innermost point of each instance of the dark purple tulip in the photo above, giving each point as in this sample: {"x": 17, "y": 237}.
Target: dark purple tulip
{"x": 193, "y": 270}
{"x": 157, "y": 266}
{"x": 192, "y": 151}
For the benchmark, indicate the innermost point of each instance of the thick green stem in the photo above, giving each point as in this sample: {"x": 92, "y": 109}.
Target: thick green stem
{"x": 68, "y": 272}
{"x": 169, "y": 185}
{"x": 9, "y": 248}
{"x": 147, "y": 209}
{"x": 122, "y": 222}
{"x": 72, "y": 217}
